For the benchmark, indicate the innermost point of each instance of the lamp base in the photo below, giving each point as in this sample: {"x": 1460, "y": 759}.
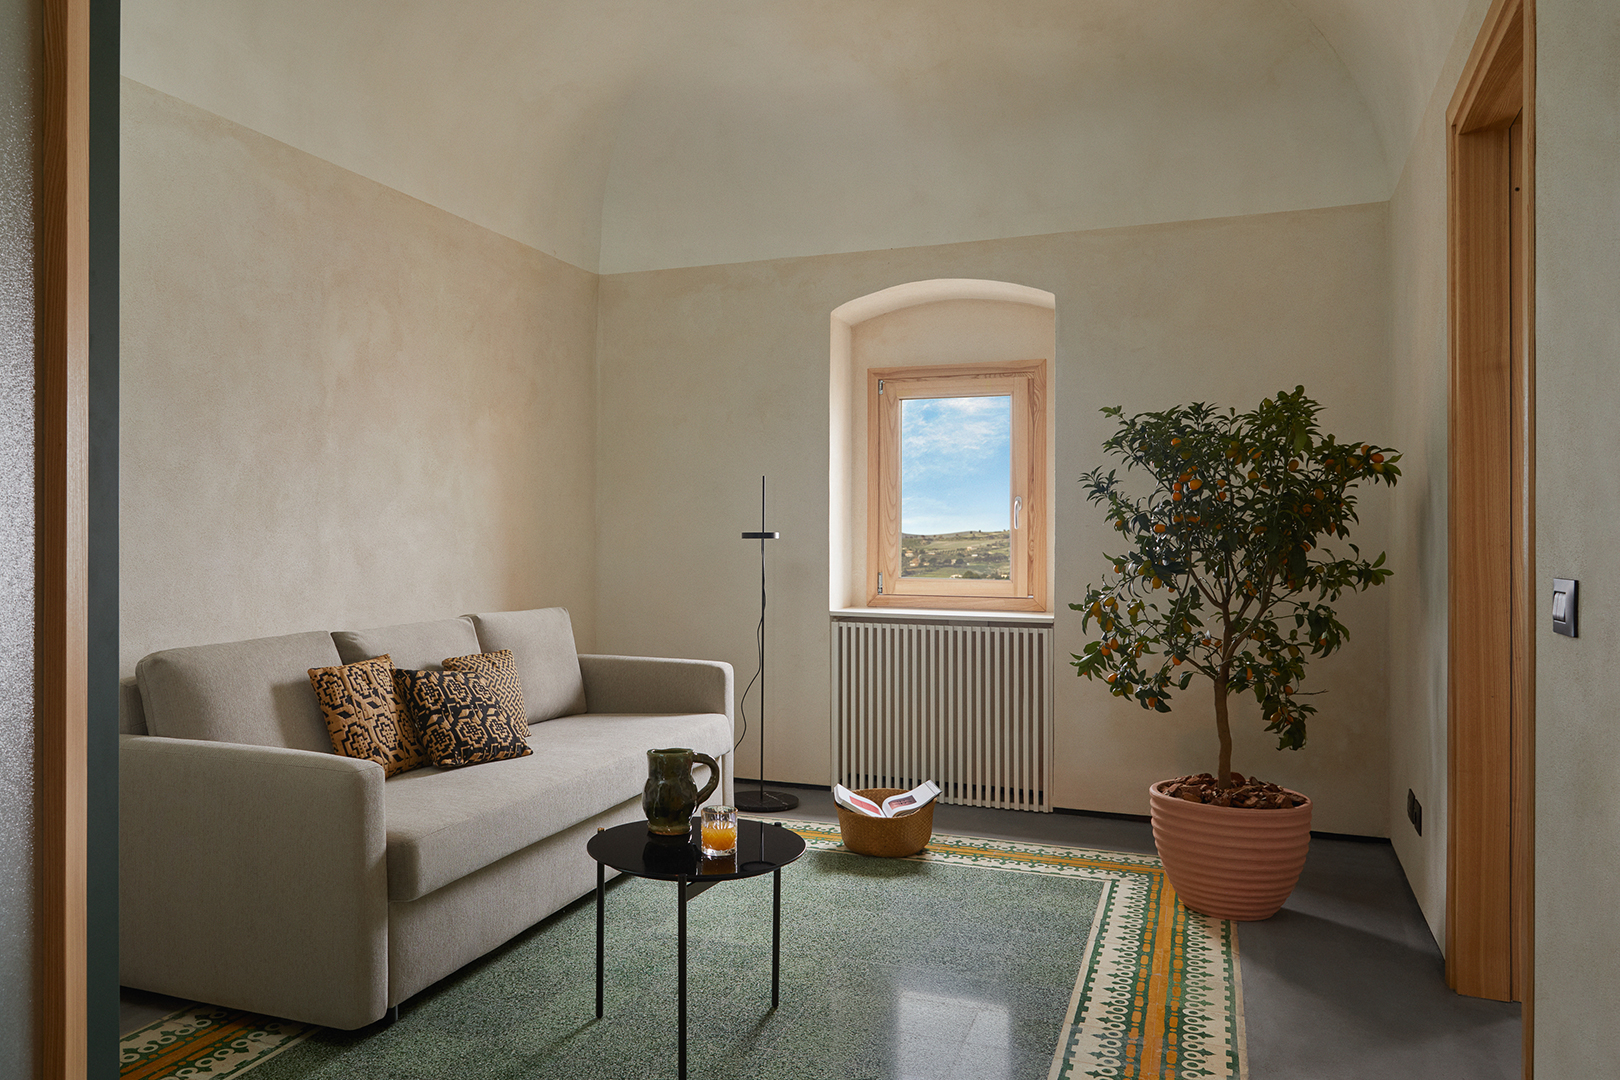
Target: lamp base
{"x": 765, "y": 802}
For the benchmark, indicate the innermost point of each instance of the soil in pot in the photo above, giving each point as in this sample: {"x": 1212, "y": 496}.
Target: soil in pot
{"x": 1250, "y": 794}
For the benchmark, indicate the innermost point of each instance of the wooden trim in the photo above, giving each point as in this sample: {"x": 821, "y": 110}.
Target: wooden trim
{"x": 1478, "y": 961}
{"x": 995, "y": 370}
{"x": 1025, "y": 382}
{"x": 62, "y": 535}
{"x": 1490, "y": 677}
{"x": 1490, "y": 92}
{"x": 1015, "y": 387}
{"x": 957, "y": 602}
{"x": 1038, "y": 508}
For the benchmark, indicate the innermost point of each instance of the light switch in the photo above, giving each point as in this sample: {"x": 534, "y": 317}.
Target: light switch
{"x": 1564, "y": 606}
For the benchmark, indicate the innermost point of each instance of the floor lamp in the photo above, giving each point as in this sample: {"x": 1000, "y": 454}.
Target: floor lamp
{"x": 762, "y": 801}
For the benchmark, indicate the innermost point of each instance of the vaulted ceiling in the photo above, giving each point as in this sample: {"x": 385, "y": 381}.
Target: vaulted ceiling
{"x": 624, "y": 135}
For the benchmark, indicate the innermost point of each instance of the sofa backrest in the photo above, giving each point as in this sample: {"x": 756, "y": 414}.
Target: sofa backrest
{"x": 258, "y": 691}
{"x": 253, "y": 692}
{"x": 131, "y": 716}
{"x": 422, "y": 646}
{"x": 542, "y": 644}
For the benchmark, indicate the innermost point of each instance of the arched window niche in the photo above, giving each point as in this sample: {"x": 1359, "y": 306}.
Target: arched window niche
{"x": 944, "y": 321}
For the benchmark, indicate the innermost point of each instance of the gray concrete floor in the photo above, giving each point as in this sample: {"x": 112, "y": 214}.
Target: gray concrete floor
{"x": 137, "y": 1008}
{"x": 1345, "y": 983}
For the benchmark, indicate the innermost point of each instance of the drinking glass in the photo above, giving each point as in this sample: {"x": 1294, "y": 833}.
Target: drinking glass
{"x": 719, "y": 831}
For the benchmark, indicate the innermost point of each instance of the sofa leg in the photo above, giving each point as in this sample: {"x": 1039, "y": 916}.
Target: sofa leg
{"x": 392, "y": 1016}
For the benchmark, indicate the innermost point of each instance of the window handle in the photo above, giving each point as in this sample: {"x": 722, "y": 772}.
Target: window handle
{"x": 1018, "y": 504}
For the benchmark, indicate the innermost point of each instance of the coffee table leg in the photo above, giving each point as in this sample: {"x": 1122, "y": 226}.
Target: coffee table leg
{"x": 600, "y": 873}
{"x": 681, "y": 934}
{"x": 776, "y": 938}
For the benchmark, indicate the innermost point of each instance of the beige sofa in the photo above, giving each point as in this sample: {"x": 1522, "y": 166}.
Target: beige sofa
{"x": 261, "y": 871}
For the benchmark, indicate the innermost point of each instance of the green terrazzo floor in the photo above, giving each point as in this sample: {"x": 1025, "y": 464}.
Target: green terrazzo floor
{"x": 891, "y": 969}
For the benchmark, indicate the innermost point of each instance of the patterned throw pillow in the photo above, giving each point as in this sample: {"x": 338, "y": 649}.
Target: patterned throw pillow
{"x": 501, "y": 671}
{"x": 364, "y": 715}
{"x": 461, "y": 718}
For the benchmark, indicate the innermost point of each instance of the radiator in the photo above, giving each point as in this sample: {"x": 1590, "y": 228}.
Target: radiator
{"x": 967, "y": 706}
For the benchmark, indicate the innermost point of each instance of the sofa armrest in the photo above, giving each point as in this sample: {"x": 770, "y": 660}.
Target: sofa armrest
{"x": 645, "y": 684}
{"x": 253, "y": 877}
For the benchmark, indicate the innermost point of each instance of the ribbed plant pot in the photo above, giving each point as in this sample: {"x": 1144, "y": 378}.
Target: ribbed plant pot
{"x": 1227, "y": 861}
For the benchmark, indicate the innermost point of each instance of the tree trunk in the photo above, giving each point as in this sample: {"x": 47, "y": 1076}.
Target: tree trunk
{"x": 1223, "y": 775}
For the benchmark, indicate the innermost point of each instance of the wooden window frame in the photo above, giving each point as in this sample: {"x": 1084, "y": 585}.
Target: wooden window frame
{"x": 1025, "y": 382}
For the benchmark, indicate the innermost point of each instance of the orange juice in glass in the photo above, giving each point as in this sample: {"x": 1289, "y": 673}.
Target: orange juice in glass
{"x": 719, "y": 831}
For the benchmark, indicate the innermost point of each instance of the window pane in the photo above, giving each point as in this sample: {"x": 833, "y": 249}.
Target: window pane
{"x": 956, "y": 487}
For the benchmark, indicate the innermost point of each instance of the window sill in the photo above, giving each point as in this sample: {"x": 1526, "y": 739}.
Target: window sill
{"x": 935, "y": 615}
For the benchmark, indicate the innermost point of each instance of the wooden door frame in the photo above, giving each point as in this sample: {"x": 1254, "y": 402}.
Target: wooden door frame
{"x": 61, "y": 457}
{"x": 1491, "y": 547}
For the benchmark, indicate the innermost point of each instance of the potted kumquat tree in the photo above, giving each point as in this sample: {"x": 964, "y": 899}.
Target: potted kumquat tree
{"x": 1226, "y": 576}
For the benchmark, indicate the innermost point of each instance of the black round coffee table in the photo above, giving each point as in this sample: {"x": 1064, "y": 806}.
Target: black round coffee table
{"x": 631, "y": 849}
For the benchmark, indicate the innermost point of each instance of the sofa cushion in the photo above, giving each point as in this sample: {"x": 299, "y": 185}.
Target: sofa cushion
{"x": 501, "y": 671}
{"x": 254, "y": 692}
{"x": 420, "y": 646}
{"x": 444, "y": 825}
{"x": 542, "y": 644}
{"x": 461, "y": 718}
{"x": 365, "y": 717}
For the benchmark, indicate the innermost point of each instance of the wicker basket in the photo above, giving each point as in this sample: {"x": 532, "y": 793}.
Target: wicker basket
{"x": 889, "y": 838}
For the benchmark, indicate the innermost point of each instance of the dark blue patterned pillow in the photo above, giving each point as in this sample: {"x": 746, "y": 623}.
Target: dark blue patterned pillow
{"x": 501, "y": 671}
{"x": 460, "y": 717}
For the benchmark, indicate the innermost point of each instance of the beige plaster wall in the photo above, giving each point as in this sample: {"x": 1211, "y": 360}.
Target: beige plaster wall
{"x": 780, "y": 130}
{"x": 624, "y": 135}
{"x": 712, "y": 376}
{"x": 1417, "y": 629}
{"x": 22, "y": 193}
{"x": 341, "y": 407}
{"x": 1577, "y": 513}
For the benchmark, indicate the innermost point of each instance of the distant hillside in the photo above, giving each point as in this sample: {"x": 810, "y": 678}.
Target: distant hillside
{"x": 970, "y": 554}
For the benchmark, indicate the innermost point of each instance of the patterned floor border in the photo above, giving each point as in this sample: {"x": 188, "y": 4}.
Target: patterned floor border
{"x": 1160, "y": 991}
{"x": 206, "y": 1042}
{"x": 1159, "y": 994}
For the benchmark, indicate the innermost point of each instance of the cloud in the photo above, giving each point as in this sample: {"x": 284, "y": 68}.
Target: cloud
{"x": 944, "y": 436}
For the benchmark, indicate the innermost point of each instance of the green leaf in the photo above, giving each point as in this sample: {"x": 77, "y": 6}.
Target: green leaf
{"x": 1235, "y": 555}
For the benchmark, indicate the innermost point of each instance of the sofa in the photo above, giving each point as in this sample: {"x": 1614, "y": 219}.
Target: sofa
{"x": 260, "y": 870}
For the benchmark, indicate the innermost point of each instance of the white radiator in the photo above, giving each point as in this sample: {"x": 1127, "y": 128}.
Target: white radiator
{"x": 968, "y": 706}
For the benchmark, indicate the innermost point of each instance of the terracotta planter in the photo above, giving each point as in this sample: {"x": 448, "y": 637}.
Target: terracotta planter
{"x": 1229, "y": 862}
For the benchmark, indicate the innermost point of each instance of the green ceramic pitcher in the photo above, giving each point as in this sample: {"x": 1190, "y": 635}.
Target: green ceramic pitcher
{"x": 670, "y": 795}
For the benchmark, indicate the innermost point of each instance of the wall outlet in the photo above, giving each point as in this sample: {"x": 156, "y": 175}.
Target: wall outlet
{"x": 1414, "y": 811}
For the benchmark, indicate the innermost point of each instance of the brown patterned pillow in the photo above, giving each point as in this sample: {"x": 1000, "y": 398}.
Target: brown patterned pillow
{"x": 365, "y": 716}
{"x": 461, "y": 718}
{"x": 501, "y": 671}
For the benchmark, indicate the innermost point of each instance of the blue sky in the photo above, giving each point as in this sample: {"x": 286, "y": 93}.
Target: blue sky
{"x": 955, "y": 464}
